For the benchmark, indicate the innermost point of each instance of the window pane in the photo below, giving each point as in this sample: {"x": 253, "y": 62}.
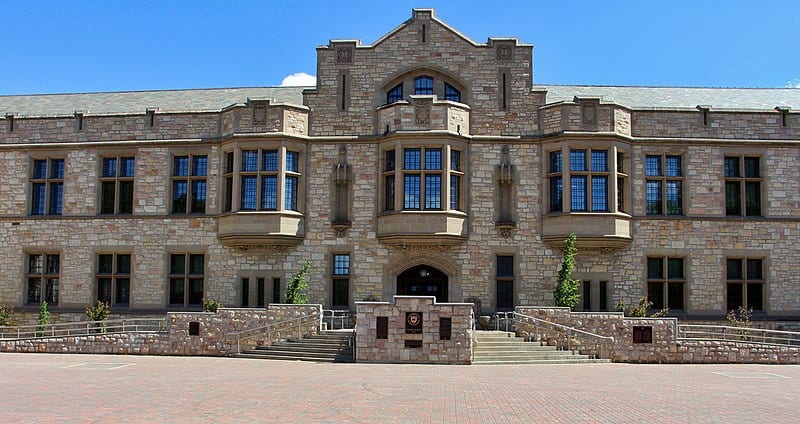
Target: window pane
{"x": 411, "y": 192}
{"x": 433, "y": 192}
{"x": 674, "y": 198}
{"x": 250, "y": 160}
{"x": 38, "y": 196}
{"x": 652, "y": 166}
{"x": 56, "y": 196}
{"x": 107, "y": 191}
{"x": 675, "y": 296}
{"x": 341, "y": 295}
{"x": 291, "y": 161}
{"x": 555, "y": 162}
{"x": 732, "y": 167}
{"x": 177, "y": 264}
{"x": 655, "y": 294}
{"x": 269, "y": 192}
{"x": 109, "y": 167}
{"x": 751, "y": 168}
{"x": 577, "y": 160}
{"x": 39, "y": 169}
{"x": 180, "y": 166}
{"x": 423, "y": 85}
{"x": 451, "y": 93}
{"x": 505, "y": 294}
{"x": 341, "y": 264}
{"x": 127, "y": 167}
{"x": 51, "y": 291}
{"x": 734, "y": 267}
{"x": 754, "y": 270}
{"x": 578, "y": 184}
{"x": 733, "y": 199}
{"x": 395, "y": 94}
{"x": 195, "y": 291}
{"x": 34, "y": 290}
{"x": 269, "y": 161}
{"x": 389, "y": 193}
{"x": 455, "y": 188}
{"x": 123, "y": 264}
{"x": 176, "y": 291}
{"x": 123, "y": 291}
{"x": 620, "y": 194}
{"x": 735, "y": 296}
{"x": 505, "y": 266}
{"x": 433, "y": 159}
{"x": 675, "y": 268}
{"x": 52, "y": 264}
{"x": 752, "y": 193}
{"x": 249, "y": 183}
{"x": 389, "y": 161}
{"x": 35, "y": 264}
{"x": 290, "y": 199}
{"x": 179, "y": 193}
{"x": 599, "y": 193}
{"x": 411, "y": 159}
{"x": 57, "y": 169}
{"x": 599, "y": 160}
{"x": 587, "y": 295}
{"x": 105, "y": 264}
{"x": 673, "y": 166}
{"x": 104, "y": 290}
{"x": 755, "y": 296}
{"x": 126, "y": 197}
{"x": 556, "y": 194}
{"x": 245, "y": 292}
{"x": 228, "y": 205}
{"x": 228, "y": 162}
{"x": 655, "y": 268}
{"x": 198, "y": 196}
{"x": 199, "y": 166}
{"x": 196, "y": 264}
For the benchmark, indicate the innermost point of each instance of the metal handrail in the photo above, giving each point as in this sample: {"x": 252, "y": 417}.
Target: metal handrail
{"x": 566, "y": 330}
{"x": 342, "y": 315}
{"x": 84, "y": 328}
{"x": 738, "y": 334}
{"x": 268, "y": 329}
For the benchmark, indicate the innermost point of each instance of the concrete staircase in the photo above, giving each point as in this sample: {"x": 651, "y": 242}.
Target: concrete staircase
{"x": 327, "y": 346}
{"x": 500, "y": 347}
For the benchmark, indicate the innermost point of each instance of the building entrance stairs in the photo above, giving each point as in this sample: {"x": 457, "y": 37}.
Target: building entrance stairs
{"x": 501, "y": 347}
{"x": 327, "y": 346}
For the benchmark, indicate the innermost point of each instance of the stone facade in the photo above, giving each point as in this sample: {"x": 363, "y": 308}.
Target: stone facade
{"x": 489, "y": 197}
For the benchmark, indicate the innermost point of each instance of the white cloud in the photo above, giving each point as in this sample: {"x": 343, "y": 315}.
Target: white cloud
{"x": 795, "y": 83}
{"x": 300, "y": 79}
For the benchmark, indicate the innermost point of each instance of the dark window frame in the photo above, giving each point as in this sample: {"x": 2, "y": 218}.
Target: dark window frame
{"x": 667, "y": 279}
{"x": 658, "y": 184}
{"x": 123, "y": 182}
{"x": 117, "y": 277}
{"x": 42, "y": 278}
{"x": 747, "y": 283}
{"x": 187, "y": 278}
{"x": 195, "y": 183}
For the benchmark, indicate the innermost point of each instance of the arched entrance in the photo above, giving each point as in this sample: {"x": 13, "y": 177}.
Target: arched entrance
{"x": 423, "y": 280}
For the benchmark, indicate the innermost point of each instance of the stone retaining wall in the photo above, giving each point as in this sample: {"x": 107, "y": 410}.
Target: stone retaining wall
{"x": 214, "y": 328}
{"x": 665, "y": 347}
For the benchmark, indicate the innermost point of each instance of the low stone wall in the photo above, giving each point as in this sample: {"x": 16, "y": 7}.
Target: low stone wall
{"x": 664, "y": 347}
{"x": 400, "y": 346}
{"x": 210, "y": 340}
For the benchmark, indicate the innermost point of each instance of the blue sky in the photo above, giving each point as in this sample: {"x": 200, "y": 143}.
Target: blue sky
{"x": 88, "y": 45}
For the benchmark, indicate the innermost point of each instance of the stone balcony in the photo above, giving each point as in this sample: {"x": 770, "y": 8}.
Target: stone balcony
{"x": 594, "y": 231}
{"x": 424, "y": 113}
{"x": 255, "y": 229}
{"x": 405, "y": 228}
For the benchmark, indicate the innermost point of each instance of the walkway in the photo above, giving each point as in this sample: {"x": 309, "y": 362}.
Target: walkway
{"x": 94, "y": 388}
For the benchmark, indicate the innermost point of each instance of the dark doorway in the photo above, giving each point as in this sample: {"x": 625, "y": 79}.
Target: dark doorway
{"x": 423, "y": 280}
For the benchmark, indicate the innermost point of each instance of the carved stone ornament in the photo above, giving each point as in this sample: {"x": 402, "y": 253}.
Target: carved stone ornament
{"x": 340, "y": 229}
{"x": 344, "y": 55}
{"x": 589, "y": 113}
{"x": 423, "y": 247}
{"x": 264, "y": 248}
{"x": 422, "y": 114}
{"x": 504, "y": 52}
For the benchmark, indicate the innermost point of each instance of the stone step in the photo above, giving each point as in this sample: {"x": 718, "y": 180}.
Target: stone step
{"x": 306, "y": 355}
{"x": 309, "y": 341}
{"x": 307, "y": 349}
{"x": 292, "y": 357}
{"x": 543, "y": 355}
{"x": 494, "y": 335}
{"x": 542, "y": 361}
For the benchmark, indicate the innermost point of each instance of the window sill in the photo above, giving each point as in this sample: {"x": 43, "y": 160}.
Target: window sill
{"x": 594, "y": 230}
{"x": 408, "y": 227}
{"x": 260, "y": 228}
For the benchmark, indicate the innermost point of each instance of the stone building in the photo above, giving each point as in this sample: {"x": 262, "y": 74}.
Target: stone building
{"x": 425, "y": 164}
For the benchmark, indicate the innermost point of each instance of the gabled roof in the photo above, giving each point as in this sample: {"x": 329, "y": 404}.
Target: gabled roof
{"x": 679, "y": 97}
{"x": 129, "y": 102}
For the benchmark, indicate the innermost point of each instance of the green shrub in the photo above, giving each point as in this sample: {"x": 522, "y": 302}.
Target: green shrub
{"x": 211, "y": 305}
{"x": 98, "y": 312}
{"x": 566, "y": 293}
{"x": 296, "y": 289}
{"x": 43, "y": 319}
{"x": 7, "y": 316}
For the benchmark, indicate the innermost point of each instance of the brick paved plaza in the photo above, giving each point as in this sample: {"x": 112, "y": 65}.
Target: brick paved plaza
{"x": 95, "y": 388}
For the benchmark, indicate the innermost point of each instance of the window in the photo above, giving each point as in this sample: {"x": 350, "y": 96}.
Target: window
{"x": 186, "y": 271}
{"x": 276, "y": 290}
{"x": 116, "y": 185}
{"x": 395, "y": 94}
{"x": 588, "y": 297}
{"x": 665, "y": 283}
{"x": 227, "y": 178}
{"x": 742, "y": 185}
{"x": 589, "y": 179}
{"x": 663, "y": 185}
{"x": 43, "y": 276}
{"x": 745, "y": 283}
{"x": 451, "y": 93}
{"x": 423, "y": 85}
{"x": 340, "y": 296}
{"x": 265, "y": 175}
{"x": 427, "y": 181}
{"x": 556, "y": 184}
{"x": 259, "y": 290}
{"x": 114, "y": 278}
{"x": 189, "y": 184}
{"x": 455, "y": 179}
{"x": 505, "y": 282}
{"x": 585, "y": 180}
{"x": 47, "y": 186}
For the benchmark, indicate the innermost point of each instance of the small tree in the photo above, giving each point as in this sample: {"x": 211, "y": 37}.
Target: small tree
{"x": 566, "y": 293}
{"x": 211, "y": 305}
{"x": 44, "y": 318}
{"x": 7, "y": 316}
{"x": 98, "y": 312}
{"x": 296, "y": 289}
{"x": 640, "y": 310}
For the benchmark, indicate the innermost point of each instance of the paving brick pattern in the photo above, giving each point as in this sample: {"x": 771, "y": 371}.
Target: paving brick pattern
{"x": 105, "y": 388}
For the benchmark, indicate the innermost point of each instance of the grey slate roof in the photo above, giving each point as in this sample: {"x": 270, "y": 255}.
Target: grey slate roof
{"x": 680, "y": 97}
{"x": 213, "y": 99}
{"x": 216, "y": 99}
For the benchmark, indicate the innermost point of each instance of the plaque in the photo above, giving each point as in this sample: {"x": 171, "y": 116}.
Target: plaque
{"x": 413, "y": 322}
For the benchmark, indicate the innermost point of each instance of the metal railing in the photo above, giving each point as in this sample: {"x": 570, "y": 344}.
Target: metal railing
{"x": 267, "y": 331}
{"x": 84, "y": 328}
{"x": 738, "y": 334}
{"x": 332, "y": 317}
{"x": 570, "y": 332}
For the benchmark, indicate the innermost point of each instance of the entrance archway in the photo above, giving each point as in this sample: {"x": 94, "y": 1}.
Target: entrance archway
{"x": 423, "y": 280}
